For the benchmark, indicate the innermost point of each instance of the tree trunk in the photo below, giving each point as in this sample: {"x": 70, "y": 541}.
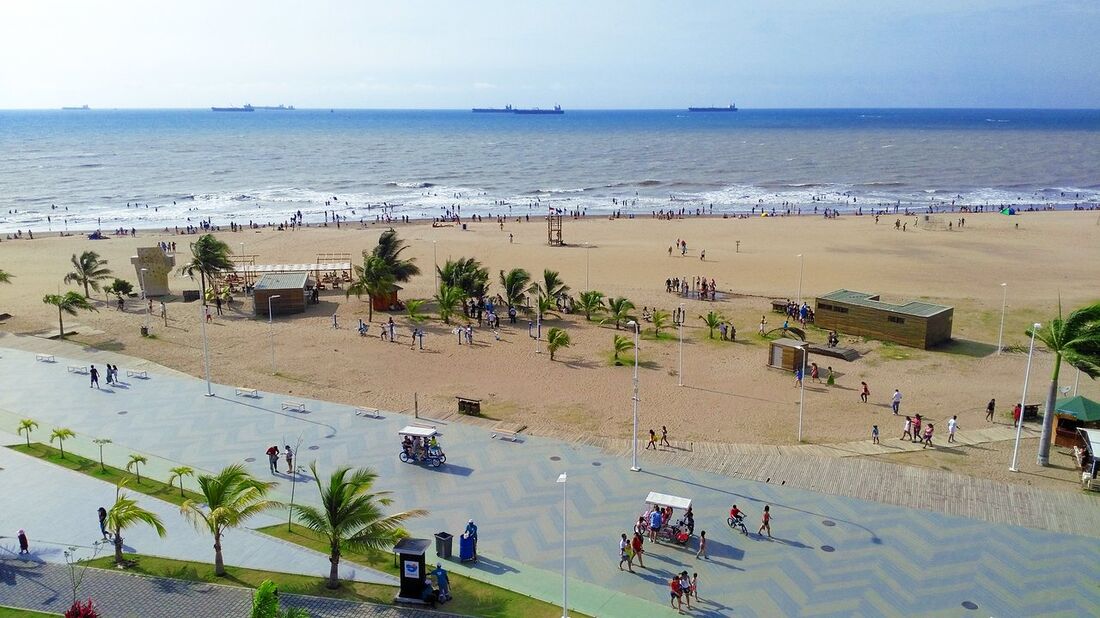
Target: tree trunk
{"x": 334, "y": 570}
{"x": 118, "y": 547}
{"x": 61, "y": 443}
{"x": 60, "y": 323}
{"x": 202, "y": 291}
{"x": 1048, "y": 416}
{"x": 219, "y": 565}
{"x": 86, "y": 294}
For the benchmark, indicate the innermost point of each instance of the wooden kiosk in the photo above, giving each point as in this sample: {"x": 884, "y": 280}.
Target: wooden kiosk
{"x": 788, "y": 354}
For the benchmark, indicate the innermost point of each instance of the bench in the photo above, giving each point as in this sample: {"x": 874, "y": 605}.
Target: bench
{"x": 44, "y": 358}
{"x": 504, "y": 434}
{"x": 137, "y": 373}
{"x": 77, "y": 369}
{"x": 471, "y": 407}
{"x": 368, "y": 412}
{"x": 779, "y": 306}
{"x": 241, "y": 391}
{"x": 294, "y": 406}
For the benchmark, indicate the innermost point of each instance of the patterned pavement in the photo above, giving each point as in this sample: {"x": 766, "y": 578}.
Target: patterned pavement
{"x": 831, "y": 556}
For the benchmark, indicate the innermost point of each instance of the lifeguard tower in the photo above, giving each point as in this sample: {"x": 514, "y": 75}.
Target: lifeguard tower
{"x": 553, "y": 230}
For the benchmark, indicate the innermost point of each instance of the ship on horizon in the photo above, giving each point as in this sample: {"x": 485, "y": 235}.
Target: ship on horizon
{"x": 731, "y": 108}
{"x": 507, "y": 109}
{"x": 275, "y": 108}
{"x": 536, "y": 110}
{"x": 81, "y": 108}
{"x": 247, "y": 108}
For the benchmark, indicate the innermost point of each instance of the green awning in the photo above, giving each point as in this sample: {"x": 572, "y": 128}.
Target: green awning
{"x": 1079, "y": 407}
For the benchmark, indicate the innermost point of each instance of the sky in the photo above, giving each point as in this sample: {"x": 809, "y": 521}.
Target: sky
{"x": 580, "y": 54}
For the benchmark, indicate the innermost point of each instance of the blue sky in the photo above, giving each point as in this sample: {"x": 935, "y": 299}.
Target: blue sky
{"x": 581, "y": 54}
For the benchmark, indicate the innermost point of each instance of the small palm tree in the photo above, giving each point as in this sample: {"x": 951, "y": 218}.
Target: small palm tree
{"x": 61, "y": 434}
{"x": 88, "y": 270}
{"x": 232, "y": 497}
{"x": 556, "y": 339}
{"x": 1075, "y": 339}
{"x": 101, "y": 442}
{"x": 5, "y": 276}
{"x": 69, "y": 303}
{"x": 178, "y": 473}
{"x": 351, "y": 515}
{"x": 447, "y": 301}
{"x": 551, "y": 285}
{"x": 618, "y": 311}
{"x": 389, "y": 249}
{"x": 621, "y": 345}
{"x": 209, "y": 257}
{"x": 119, "y": 287}
{"x": 545, "y": 305}
{"x": 412, "y": 306}
{"x": 660, "y": 320}
{"x": 712, "y": 319}
{"x": 514, "y": 283}
{"x": 26, "y": 426}
{"x": 265, "y": 604}
{"x": 135, "y": 463}
{"x": 125, "y": 513}
{"x": 374, "y": 278}
{"x": 591, "y": 302}
{"x": 466, "y": 274}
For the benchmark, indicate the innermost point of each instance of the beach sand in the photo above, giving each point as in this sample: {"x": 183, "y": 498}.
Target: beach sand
{"x": 729, "y": 393}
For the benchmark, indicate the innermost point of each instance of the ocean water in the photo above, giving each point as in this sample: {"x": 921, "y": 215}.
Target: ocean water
{"x": 81, "y": 169}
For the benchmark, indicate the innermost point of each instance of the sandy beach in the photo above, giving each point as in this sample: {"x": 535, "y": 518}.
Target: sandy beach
{"x": 729, "y": 394}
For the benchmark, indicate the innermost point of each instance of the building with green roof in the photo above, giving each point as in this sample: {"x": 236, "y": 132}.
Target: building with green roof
{"x": 916, "y": 324}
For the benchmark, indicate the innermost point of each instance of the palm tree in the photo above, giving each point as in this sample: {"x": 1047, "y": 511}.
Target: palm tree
{"x": 209, "y": 256}
{"x": 591, "y": 302}
{"x": 135, "y": 463}
{"x": 412, "y": 306}
{"x": 389, "y": 249}
{"x": 556, "y": 339}
{"x": 27, "y": 425}
{"x": 551, "y": 286}
{"x": 125, "y": 513}
{"x": 375, "y": 278}
{"x": 466, "y": 274}
{"x": 69, "y": 303}
{"x": 5, "y": 276}
{"x": 544, "y": 305}
{"x": 447, "y": 301}
{"x": 618, "y": 311}
{"x": 119, "y": 287}
{"x": 351, "y": 515}
{"x": 712, "y": 320}
{"x": 660, "y": 320}
{"x": 101, "y": 442}
{"x": 265, "y": 604}
{"x": 88, "y": 270}
{"x": 1075, "y": 339}
{"x": 514, "y": 284}
{"x": 621, "y": 344}
{"x": 232, "y": 497}
{"x": 61, "y": 434}
{"x": 178, "y": 473}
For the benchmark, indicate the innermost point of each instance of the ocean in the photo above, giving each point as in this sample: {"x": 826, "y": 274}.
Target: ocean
{"x": 105, "y": 169}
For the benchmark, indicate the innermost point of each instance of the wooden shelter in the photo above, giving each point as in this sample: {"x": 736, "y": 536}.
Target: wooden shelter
{"x": 788, "y": 354}
{"x": 1071, "y": 414}
{"x": 388, "y": 301}
{"x": 916, "y": 324}
{"x": 289, "y": 287}
{"x": 553, "y": 229}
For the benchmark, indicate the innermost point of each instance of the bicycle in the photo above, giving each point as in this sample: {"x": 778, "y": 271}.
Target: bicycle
{"x": 738, "y": 522}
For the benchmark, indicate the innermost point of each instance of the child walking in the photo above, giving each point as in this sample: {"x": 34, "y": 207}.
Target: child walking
{"x": 766, "y": 521}
{"x": 874, "y": 434}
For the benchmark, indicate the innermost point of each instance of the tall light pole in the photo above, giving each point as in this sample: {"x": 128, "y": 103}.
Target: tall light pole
{"x": 538, "y": 330}
{"x": 801, "y": 263}
{"x": 1004, "y": 305}
{"x": 1023, "y": 397}
{"x": 680, "y": 372}
{"x": 1076, "y": 382}
{"x": 634, "y": 437}
{"x": 145, "y": 299}
{"x": 586, "y": 286}
{"x": 802, "y": 394}
{"x": 562, "y": 478}
{"x": 205, "y": 349}
{"x": 271, "y": 328}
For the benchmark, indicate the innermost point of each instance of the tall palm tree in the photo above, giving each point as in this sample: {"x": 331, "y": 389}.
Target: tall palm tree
{"x": 209, "y": 256}
{"x": 389, "y": 249}
{"x": 447, "y": 301}
{"x": 135, "y": 463}
{"x": 69, "y": 303}
{"x": 621, "y": 344}
{"x": 551, "y": 285}
{"x": 712, "y": 320}
{"x": 618, "y": 311}
{"x": 556, "y": 339}
{"x": 591, "y": 302}
{"x": 351, "y": 515}
{"x": 88, "y": 270}
{"x": 232, "y": 497}
{"x": 26, "y": 426}
{"x": 467, "y": 274}
{"x": 178, "y": 473}
{"x": 514, "y": 283}
{"x": 1075, "y": 339}
{"x": 61, "y": 434}
{"x": 375, "y": 278}
{"x": 660, "y": 320}
{"x": 5, "y": 276}
{"x": 125, "y": 513}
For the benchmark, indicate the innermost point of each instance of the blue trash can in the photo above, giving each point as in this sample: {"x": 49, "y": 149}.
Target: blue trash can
{"x": 465, "y": 548}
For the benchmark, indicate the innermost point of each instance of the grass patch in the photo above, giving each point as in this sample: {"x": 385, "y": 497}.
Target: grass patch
{"x": 148, "y": 486}
{"x": 471, "y": 597}
{"x": 666, "y": 335}
{"x": 892, "y": 351}
{"x": 626, "y": 359}
{"x": 12, "y": 612}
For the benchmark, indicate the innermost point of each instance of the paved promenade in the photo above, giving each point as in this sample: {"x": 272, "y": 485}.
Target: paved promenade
{"x": 831, "y": 555}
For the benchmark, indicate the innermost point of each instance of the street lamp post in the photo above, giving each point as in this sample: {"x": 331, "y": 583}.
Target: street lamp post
{"x": 1004, "y": 305}
{"x": 634, "y": 436}
{"x": 586, "y": 286}
{"x": 680, "y": 372}
{"x": 205, "y": 349}
{"x": 1076, "y": 382}
{"x": 538, "y": 331}
{"x": 1023, "y": 397}
{"x": 802, "y": 394}
{"x": 801, "y": 263}
{"x": 145, "y": 299}
{"x": 562, "y": 478}
{"x": 271, "y": 328}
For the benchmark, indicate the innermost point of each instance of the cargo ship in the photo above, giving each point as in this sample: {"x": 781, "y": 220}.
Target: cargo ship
{"x": 507, "y": 109}
{"x": 246, "y": 108}
{"x": 275, "y": 108}
{"x": 731, "y": 108}
{"x": 535, "y": 110}
{"x": 73, "y": 109}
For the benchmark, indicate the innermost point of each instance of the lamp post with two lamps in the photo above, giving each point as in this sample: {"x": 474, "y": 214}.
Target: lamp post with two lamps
{"x": 634, "y": 399}
{"x": 1023, "y": 398}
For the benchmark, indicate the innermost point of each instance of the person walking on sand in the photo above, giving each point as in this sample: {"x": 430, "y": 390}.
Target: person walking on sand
{"x": 916, "y": 428}
{"x": 636, "y": 546}
{"x": 702, "y": 551}
{"x": 874, "y": 434}
{"x": 624, "y": 554}
{"x": 928, "y": 435}
{"x": 1016, "y": 415}
{"x": 93, "y": 373}
{"x": 907, "y": 432}
{"x": 652, "y": 440}
{"x": 864, "y": 392}
{"x": 664, "y": 437}
{"x": 895, "y": 403}
{"x": 989, "y": 408}
{"x": 952, "y": 427}
{"x": 763, "y": 323}
{"x": 815, "y": 375}
{"x": 830, "y": 378}
{"x": 798, "y": 378}
{"x": 766, "y": 521}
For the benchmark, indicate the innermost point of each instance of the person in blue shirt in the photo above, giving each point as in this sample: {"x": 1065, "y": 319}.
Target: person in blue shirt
{"x": 471, "y": 533}
{"x": 442, "y": 583}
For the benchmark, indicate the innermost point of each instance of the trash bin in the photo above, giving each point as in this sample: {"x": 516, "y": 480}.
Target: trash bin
{"x": 144, "y": 331}
{"x": 443, "y": 543}
{"x": 463, "y": 226}
{"x": 465, "y": 548}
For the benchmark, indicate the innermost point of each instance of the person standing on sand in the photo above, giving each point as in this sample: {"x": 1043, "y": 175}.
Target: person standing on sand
{"x": 874, "y": 434}
{"x": 992, "y": 405}
{"x": 766, "y": 521}
{"x": 1016, "y": 415}
{"x": 907, "y": 431}
{"x": 864, "y": 392}
{"x": 798, "y": 378}
{"x": 928, "y": 435}
{"x": 916, "y": 428}
{"x": 815, "y": 375}
{"x": 763, "y": 323}
{"x": 952, "y": 427}
{"x": 830, "y": 378}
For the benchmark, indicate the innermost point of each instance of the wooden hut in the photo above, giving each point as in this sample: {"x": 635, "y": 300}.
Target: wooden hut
{"x": 1071, "y": 414}
{"x": 388, "y": 301}
{"x": 788, "y": 354}
{"x": 916, "y": 324}
{"x": 289, "y": 287}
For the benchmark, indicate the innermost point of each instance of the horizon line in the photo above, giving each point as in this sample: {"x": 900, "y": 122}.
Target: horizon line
{"x": 578, "y": 109}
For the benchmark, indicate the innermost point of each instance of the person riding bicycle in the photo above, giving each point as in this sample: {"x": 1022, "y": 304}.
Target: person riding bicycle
{"x": 736, "y": 514}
